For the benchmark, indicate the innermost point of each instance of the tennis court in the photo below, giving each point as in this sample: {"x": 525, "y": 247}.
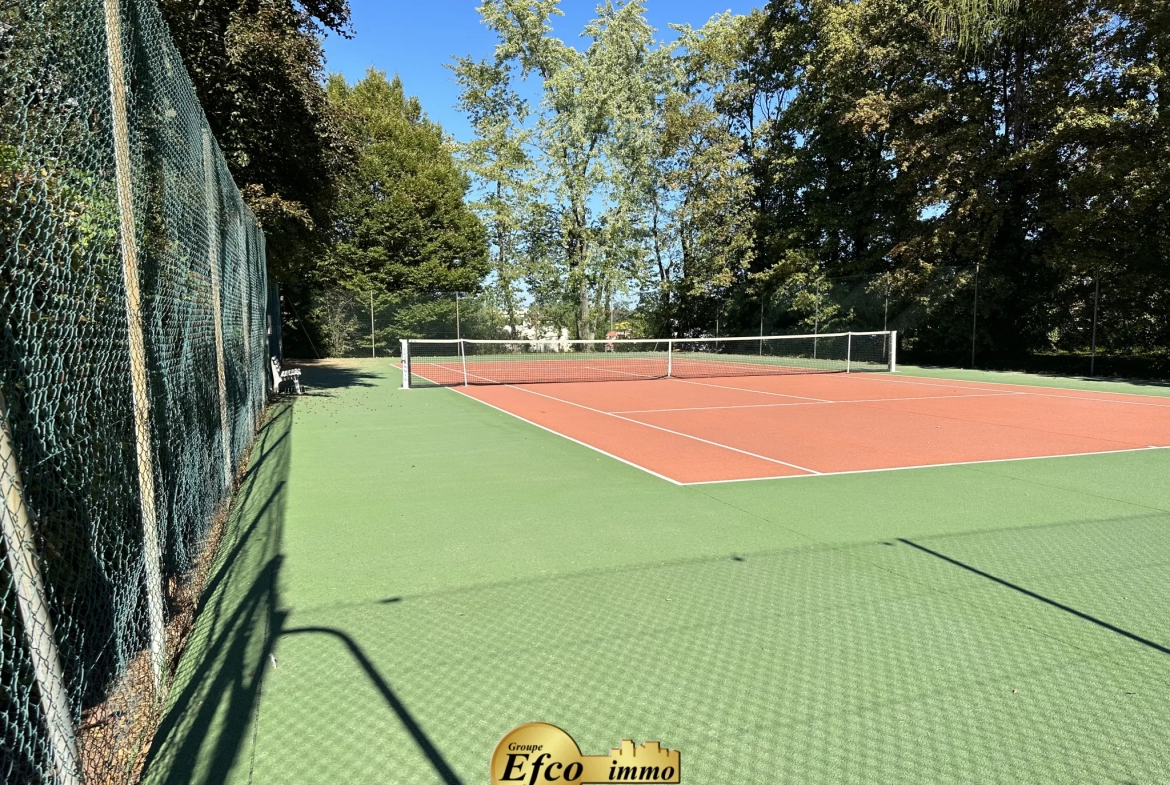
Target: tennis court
{"x": 718, "y": 410}
{"x": 756, "y": 427}
{"x": 410, "y": 574}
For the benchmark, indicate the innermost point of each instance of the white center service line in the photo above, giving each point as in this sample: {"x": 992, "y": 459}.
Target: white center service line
{"x": 749, "y": 390}
{"x": 817, "y": 403}
{"x": 667, "y": 430}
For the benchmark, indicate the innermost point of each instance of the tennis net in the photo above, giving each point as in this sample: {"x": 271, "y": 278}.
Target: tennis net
{"x": 444, "y": 363}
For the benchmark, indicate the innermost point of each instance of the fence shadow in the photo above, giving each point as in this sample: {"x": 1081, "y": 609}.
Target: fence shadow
{"x": 335, "y": 374}
{"x": 205, "y": 727}
{"x": 427, "y": 747}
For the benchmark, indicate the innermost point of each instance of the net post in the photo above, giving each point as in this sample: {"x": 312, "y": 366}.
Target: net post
{"x": 669, "y": 357}
{"x": 848, "y": 352}
{"x": 139, "y": 385}
{"x": 211, "y": 204}
{"x": 29, "y": 585}
{"x": 463, "y": 357}
{"x": 893, "y": 339}
{"x": 405, "y": 363}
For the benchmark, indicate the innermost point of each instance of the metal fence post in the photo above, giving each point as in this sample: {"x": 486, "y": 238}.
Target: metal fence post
{"x": 138, "y": 380}
{"x": 245, "y": 276}
{"x": 1096, "y": 304}
{"x": 405, "y": 364}
{"x": 29, "y": 585}
{"x": 213, "y": 239}
{"x": 975, "y": 314}
{"x": 463, "y": 357}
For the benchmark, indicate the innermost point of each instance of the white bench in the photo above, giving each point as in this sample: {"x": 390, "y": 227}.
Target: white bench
{"x": 279, "y": 377}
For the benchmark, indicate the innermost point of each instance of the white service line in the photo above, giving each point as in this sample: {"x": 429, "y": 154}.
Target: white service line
{"x": 818, "y": 403}
{"x": 563, "y": 436}
{"x": 667, "y": 430}
{"x": 1024, "y": 389}
{"x": 749, "y": 390}
{"x": 932, "y": 465}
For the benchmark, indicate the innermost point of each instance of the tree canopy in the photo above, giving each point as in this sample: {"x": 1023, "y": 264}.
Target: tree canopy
{"x": 258, "y": 69}
{"x": 400, "y": 223}
{"x": 988, "y": 171}
{"x": 1017, "y": 146}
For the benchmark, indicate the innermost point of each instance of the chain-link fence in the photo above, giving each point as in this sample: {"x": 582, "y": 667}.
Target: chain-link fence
{"x": 346, "y": 323}
{"x": 133, "y": 297}
{"x": 944, "y": 315}
{"x": 977, "y": 317}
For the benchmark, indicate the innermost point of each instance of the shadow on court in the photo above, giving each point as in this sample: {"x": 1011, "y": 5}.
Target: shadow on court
{"x": 216, "y": 687}
{"x": 442, "y": 769}
{"x": 329, "y": 375}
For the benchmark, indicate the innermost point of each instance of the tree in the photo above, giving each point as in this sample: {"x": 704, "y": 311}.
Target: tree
{"x": 901, "y": 147}
{"x": 401, "y": 224}
{"x": 258, "y": 69}
{"x": 582, "y": 94}
{"x": 498, "y": 158}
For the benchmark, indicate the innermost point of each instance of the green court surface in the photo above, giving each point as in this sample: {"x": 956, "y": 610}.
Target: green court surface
{"x": 408, "y": 575}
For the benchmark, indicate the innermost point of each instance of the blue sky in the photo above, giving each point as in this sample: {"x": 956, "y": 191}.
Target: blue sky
{"x": 414, "y": 38}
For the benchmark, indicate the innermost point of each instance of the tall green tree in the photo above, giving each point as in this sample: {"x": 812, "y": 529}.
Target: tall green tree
{"x": 900, "y": 146}
{"x": 258, "y": 69}
{"x": 498, "y": 158}
{"x": 582, "y": 93}
{"x": 401, "y": 223}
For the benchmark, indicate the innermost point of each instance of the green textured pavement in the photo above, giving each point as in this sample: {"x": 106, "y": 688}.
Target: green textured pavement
{"x": 407, "y": 575}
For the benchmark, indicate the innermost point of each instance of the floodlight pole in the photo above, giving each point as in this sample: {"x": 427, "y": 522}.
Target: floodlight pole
{"x": 373, "y": 351}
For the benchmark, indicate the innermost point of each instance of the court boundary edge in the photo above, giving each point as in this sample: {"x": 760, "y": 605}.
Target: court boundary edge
{"x": 570, "y": 438}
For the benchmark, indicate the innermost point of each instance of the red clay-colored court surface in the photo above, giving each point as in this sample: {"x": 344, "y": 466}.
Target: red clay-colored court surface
{"x": 745, "y": 428}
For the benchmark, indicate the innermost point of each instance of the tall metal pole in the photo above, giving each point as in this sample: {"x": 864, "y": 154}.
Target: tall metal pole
{"x": 761, "y": 324}
{"x": 1096, "y": 303}
{"x": 458, "y": 327}
{"x": 816, "y": 318}
{"x": 886, "y": 313}
{"x": 373, "y": 352}
{"x": 214, "y": 237}
{"x": 139, "y": 382}
{"x": 975, "y": 314}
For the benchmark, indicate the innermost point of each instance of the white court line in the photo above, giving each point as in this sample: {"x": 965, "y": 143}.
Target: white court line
{"x": 931, "y": 465}
{"x": 563, "y": 436}
{"x": 1024, "y": 389}
{"x": 749, "y": 390}
{"x": 817, "y": 403}
{"x": 667, "y": 430}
